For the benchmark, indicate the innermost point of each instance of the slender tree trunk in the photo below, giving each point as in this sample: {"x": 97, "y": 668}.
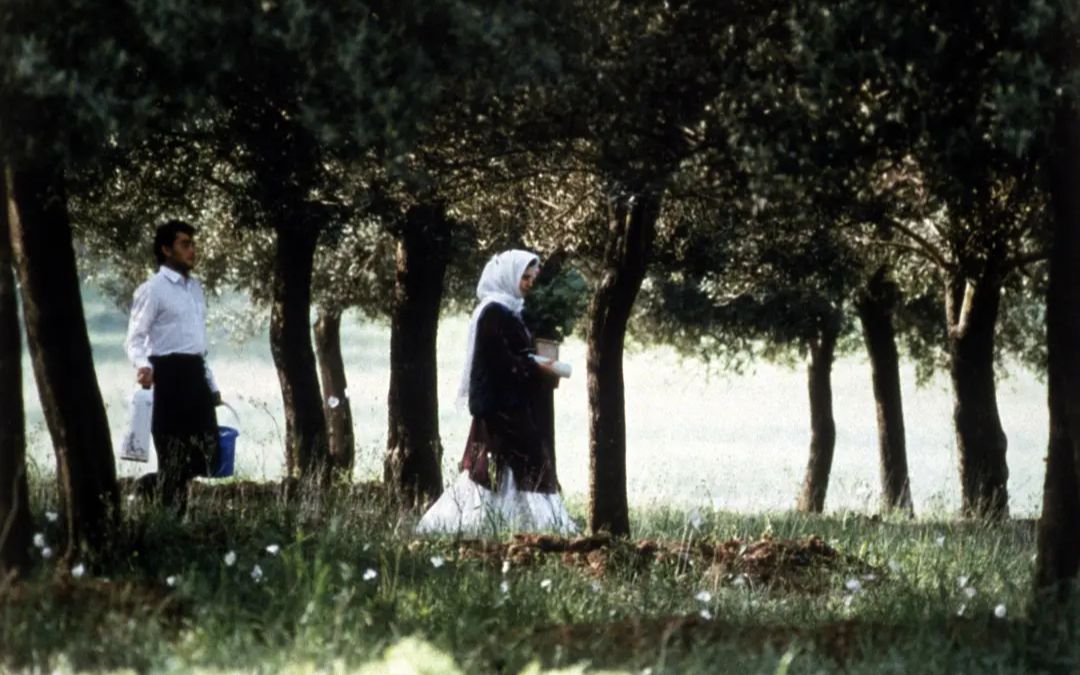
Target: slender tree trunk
{"x": 306, "y": 448}
{"x": 413, "y": 464}
{"x": 822, "y": 424}
{"x": 337, "y": 408}
{"x": 632, "y": 221}
{"x": 875, "y": 307}
{"x": 15, "y": 522}
{"x": 972, "y": 309}
{"x": 1059, "y": 528}
{"x": 60, "y": 351}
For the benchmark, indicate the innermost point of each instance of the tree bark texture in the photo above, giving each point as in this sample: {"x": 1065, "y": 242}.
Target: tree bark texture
{"x": 1059, "y": 527}
{"x": 972, "y": 309}
{"x": 306, "y": 448}
{"x": 632, "y": 222}
{"x": 15, "y": 525}
{"x": 875, "y": 307}
{"x": 413, "y": 463}
{"x": 822, "y": 425}
{"x": 338, "y": 410}
{"x": 61, "y": 355}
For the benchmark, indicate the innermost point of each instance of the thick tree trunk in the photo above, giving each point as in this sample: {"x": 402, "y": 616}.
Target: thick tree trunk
{"x": 413, "y": 464}
{"x": 1059, "y": 528}
{"x": 972, "y": 309}
{"x": 15, "y": 522}
{"x": 60, "y": 351}
{"x": 337, "y": 408}
{"x": 633, "y": 229}
{"x": 306, "y": 449}
{"x": 822, "y": 425}
{"x": 875, "y": 307}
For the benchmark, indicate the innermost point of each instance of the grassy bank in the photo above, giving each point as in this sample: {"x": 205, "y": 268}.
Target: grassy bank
{"x": 257, "y": 579}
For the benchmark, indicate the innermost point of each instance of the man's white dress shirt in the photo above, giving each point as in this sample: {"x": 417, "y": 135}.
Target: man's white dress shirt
{"x": 168, "y": 316}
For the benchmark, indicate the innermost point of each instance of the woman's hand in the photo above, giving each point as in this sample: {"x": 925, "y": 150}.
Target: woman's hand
{"x": 548, "y": 369}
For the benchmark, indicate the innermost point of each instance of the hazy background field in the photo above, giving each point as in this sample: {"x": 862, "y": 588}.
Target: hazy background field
{"x": 734, "y": 442}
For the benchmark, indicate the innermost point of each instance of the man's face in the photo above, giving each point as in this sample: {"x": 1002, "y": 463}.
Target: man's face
{"x": 181, "y": 255}
{"x": 528, "y": 279}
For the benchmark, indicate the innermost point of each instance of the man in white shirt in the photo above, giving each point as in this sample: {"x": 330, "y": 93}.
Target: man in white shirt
{"x": 166, "y": 342}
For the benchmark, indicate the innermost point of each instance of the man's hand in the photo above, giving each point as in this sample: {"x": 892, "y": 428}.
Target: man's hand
{"x": 217, "y": 399}
{"x": 145, "y": 377}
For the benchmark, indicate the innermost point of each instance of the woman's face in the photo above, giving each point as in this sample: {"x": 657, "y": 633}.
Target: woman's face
{"x": 528, "y": 279}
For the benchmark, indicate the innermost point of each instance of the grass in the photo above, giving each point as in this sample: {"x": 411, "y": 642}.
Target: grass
{"x": 345, "y": 586}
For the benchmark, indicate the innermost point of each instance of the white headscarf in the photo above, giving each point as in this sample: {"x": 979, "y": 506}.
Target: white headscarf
{"x": 500, "y": 282}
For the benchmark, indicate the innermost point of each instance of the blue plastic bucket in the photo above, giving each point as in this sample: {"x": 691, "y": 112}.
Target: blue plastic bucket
{"x": 226, "y": 459}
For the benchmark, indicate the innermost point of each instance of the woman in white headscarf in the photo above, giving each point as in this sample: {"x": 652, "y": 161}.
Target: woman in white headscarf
{"x": 508, "y": 476}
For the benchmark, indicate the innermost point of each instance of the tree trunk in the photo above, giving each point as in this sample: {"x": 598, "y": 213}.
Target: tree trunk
{"x": 1059, "y": 527}
{"x": 61, "y": 354}
{"x": 306, "y": 449}
{"x": 972, "y": 309}
{"x": 875, "y": 307}
{"x": 822, "y": 425}
{"x": 15, "y": 525}
{"x": 413, "y": 464}
{"x": 632, "y": 220}
{"x": 337, "y": 408}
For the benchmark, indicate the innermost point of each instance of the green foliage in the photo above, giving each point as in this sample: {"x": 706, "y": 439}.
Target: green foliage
{"x": 556, "y": 304}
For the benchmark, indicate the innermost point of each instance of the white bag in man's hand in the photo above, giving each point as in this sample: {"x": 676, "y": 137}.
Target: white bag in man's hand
{"x": 136, "y": 445}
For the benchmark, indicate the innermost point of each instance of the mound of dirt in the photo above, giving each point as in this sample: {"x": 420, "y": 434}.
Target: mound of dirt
{"x": 796, "y": 564}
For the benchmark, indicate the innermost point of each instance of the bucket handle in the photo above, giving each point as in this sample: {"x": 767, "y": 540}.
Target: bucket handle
{"x": 236, "y": 417}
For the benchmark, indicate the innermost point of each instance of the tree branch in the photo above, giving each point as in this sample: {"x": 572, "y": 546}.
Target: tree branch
{"x": 929, "y": 250}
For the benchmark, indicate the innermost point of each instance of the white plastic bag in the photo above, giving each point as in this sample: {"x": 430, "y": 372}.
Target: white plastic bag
{"x": 136, "y": 445}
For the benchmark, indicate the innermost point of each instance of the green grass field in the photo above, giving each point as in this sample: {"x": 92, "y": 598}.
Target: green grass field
{"x": 718, "y": 578}
{"x": 253, "y": 582}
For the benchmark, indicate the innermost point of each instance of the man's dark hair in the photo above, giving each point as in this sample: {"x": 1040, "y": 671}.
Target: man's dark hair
{"x": 166, "y": 236}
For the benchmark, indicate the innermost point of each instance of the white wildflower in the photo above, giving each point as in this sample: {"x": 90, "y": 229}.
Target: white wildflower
{"x": 51, "y": 516}
{"x": 706, "y": 614}
{"x": 370, "y": 574}
{"x": 505, "y": 566}
{"x": 739, "y": 580}
{"x": 39, "y": 540}
{"x": 230, "y": 558}
{"x": 970, "y": 592}
{"x": 437, "y": 561}
{"x": 695, "y": 519}
{"x": 504, "y": 586}
{"x": 962, "y": 580}
{"x": 853, "y": 585}
{"x": 596, "y": 586}
{"x": 172, "y": 580}
{"x": 703, "y": 596}
{"x": 960, "y": 612}
{"x": 273, "y": 549}
{"x": 256, "y": 574}
{"x": 848, "y": 600}
{"x": 46, "y": 553}
{"x": 333, "y": 401}
{"x": 940, "y": 541}
{"x": 546, "y": 584}
{"x": 999, "y": 611}
{"x": 78, "y": 571}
